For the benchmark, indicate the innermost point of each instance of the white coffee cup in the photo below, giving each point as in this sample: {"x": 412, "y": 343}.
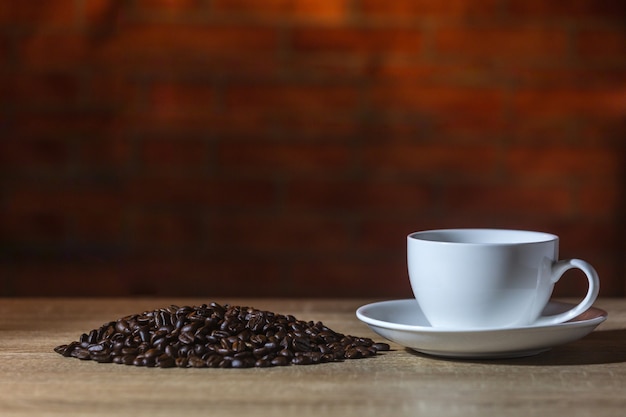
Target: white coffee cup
{"x": 490, "y": 278}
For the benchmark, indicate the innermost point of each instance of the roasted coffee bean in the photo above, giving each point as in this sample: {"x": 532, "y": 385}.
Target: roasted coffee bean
{"x": 93, "y": 337}
{"x": 128, "y": 359}
{"x": 239, "y": 346}
{"x": 272, "y": 345}
{"x": 286, "y": 353}
{"x": 324, "y": 348}
{"x": 381, "y": 346}
{"x": 196, "y": 362}
{"x": 95, "y": 348}
{"x": 280, "y": 361}
{"x": 138, "y": 361}
{"x": 165, "y": 361}
{"x": 242, "y": 362}
{"x": 243, "y": 354}
{"x": 225, "y": 363}
{"x": 184, "y": 350}
{"x": 144, "y": 334}
{"x": 363, "y": 350}
{"x": 260, "y": 352}
{"x": 258, "y": 339}
{"x": 220, "y": 334}
{"x": 186, "y": 337}
{"x": 199, "y": 350}
{"x": 327, "y": 358}
{"x": 353, "y": 353}
{"x": 216, "y": 336}
{"x": 152, "y": 353}
{"x": 171, "y": 351}
{"x": 213, "y": 361}
{"x": 301, "y": 344}
{"x": 105, "y": 332}
{"x": 130, "y": 350}
{"x": 256, "y": 323}
{"x": 222, "y": 351}
{"x": 104, "y": 357}
{"x": 190, "y": 328}
{"x": 301, "y": 360}
{"x": 62, "y": 349}
{"x": 262, "y": 363}
{"x": 161, "y": 333}
{"x": 81, "y": 353}
{"x": 117, "y": 345}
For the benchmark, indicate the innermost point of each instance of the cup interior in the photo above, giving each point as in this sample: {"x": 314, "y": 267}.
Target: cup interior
{"x": 483, "y": 236}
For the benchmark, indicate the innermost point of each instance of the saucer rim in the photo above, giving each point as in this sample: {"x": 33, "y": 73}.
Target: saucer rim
{"x": 600, "y": 316}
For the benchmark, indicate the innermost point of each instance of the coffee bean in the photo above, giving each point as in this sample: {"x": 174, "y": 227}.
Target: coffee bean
{"x": 316, "y": 357}
{"x": 271, "y": 345}
{"x": 93, "y": 336}
{"x": 246, "y": 362}
{"x": 216, "y": 336}
{"x": 81, "y": 353}
{"x": 199, "y": 350}
{"x": 185, "y": 350}
{"x": 152, "y": 353}
{"x": 171, "y": 351}
{"x": 95, "y": 348}
{"x": 258, "y": 339}
{"x": 381, "y": 346}
{"x": 144, "y": 333}
{"x": 260, "y": 352}
{"x": 256, "y": 323}
{"x": 223, "y": 351}
{"x": 61, "y": 349}
{"x": 279, "y": 361}
{"x": 301, "y": 360}
{"x": 196, "y": 362}
{"x": 213, "y": 361}
{"x": 128, "y": 359}
{"x": 353, "y": 353}
{"x": 186, "y": 337}
{"x": 286, "y": 353}
{"x": 262, "y": 363}
{"x": 130, "y": 351}
{"x": 102, "y": 358}
{"x": 301, "y": 344}
{"x": 363, "y": 350}
{"x": 165, "y": 361}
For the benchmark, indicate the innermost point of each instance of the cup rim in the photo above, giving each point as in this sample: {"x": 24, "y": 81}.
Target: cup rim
{"x": 489, "y": 236}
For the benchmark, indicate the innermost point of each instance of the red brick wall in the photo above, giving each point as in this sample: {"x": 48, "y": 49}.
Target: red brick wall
{"x": 283, "y": 147}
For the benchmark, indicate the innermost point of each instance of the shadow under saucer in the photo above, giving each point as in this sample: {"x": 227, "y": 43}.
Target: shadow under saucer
{"x": 599, "y": 347}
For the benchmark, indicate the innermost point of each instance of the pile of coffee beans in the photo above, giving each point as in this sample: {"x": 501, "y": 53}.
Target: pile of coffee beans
{"x": 217, "y": 336}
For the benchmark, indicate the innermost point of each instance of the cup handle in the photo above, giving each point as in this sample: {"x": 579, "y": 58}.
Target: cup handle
{"x": 558, "y": 269}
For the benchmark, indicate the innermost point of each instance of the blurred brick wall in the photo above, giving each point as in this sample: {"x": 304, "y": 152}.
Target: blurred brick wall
{"x": 283, "y": 147}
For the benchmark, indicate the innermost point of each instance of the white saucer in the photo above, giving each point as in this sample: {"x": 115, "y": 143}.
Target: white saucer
{"x": 403, "y": 322}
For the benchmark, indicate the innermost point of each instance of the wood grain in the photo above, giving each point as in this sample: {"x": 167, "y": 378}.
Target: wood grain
{"x": 579, "y": 379}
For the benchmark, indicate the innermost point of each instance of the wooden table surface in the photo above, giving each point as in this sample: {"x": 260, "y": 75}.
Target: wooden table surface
{"x": 583, "y": 378}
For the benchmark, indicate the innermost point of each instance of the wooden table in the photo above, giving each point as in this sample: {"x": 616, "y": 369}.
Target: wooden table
{"x": 587, "y": 377}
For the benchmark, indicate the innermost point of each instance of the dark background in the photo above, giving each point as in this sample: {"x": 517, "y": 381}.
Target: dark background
{"x": 286, "y": 148}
